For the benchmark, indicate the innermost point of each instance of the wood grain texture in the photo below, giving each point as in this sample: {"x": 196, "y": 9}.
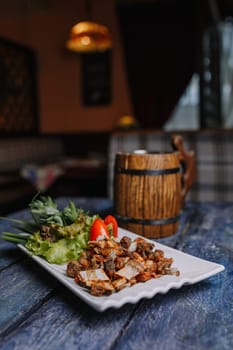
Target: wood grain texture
{"x": 22, "y": 291}
{"x": 65, "y": 322}
{"x": 188, "y": 160}
{"x": 153, "y": 197}
{"x": 36, "y": 312}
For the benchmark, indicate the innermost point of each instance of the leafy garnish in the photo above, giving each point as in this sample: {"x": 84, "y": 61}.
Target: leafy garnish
{"x": 70, "y": 214}
{"x": 44, "y": 211}
{"x": 57, "y": 235}
{"x": 15, "y": 237}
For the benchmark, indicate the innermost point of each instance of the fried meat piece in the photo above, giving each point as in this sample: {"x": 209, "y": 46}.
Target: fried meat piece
{"x": 144, "y": 247}
{"x": 87, "y": 276}
{"x": 120, "y": 283}
{"x": 108, "y": 266}
{"x": 73, "y": 268}
{"x": 99, "y": 288}
{"x": 120, "y": 262}
{"x": 125, "y": 242}
{"x": 145, "y": 276}
{"x": 96, "y": 281}
{"x": 131, "y": 269}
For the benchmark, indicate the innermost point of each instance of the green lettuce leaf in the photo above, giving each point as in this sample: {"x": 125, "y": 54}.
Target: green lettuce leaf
{"x": 58, "y": 236}
{"x": 59, "y": 252}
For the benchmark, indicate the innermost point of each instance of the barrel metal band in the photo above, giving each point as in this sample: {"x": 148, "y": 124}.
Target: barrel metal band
{"x": 153, "y": 172}
{"x": 129, "y": 220}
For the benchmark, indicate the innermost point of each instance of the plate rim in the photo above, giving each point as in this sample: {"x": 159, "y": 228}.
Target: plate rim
{"x": 109, "y": 301}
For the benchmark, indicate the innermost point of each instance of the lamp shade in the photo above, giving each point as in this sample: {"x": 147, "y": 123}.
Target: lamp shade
{"x": 89, "y": 37}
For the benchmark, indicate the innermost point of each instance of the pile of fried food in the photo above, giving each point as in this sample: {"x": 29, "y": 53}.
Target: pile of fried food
{"x": 108, "y": 266}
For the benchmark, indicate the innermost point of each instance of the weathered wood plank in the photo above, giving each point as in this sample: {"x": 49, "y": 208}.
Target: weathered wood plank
{"x": 65, "y": 322}
{"x": 23, "y": 287}
{"x": 9, "y": 254}
{"x": 189, "y": 318}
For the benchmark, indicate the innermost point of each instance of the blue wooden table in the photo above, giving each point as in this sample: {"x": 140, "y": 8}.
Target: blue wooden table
{"x": 37, "y": 312}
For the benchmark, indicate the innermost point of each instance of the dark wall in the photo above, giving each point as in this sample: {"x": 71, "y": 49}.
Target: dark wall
{"x": 163, "y": 48}
{"x": 160, "y": 55}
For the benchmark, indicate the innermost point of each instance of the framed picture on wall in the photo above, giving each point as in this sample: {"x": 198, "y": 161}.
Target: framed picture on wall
{"x": 96, "y": 78}
{"x": 18, "y": 88}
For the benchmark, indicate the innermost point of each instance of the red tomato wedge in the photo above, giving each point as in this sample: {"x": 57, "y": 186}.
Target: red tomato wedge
{"x": 99, "y": 230}
{"x": 111, "y": 220}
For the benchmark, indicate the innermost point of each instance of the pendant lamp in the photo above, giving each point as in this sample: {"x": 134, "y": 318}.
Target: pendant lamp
{"x": 88, "y": 36}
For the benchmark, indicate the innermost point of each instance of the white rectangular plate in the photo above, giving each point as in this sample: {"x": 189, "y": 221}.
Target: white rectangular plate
{"x": 192, "y": 270}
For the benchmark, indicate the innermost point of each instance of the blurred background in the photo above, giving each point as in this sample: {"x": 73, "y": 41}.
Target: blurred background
{"x": 157, "y": 47}
{"x": 168, "y": 69}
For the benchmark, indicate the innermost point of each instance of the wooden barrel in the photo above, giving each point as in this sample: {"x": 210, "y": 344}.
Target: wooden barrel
{"x": 147, "y": 192}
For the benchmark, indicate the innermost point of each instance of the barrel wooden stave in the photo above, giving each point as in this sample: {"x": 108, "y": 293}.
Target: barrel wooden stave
{"x": 151, "y": 197}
